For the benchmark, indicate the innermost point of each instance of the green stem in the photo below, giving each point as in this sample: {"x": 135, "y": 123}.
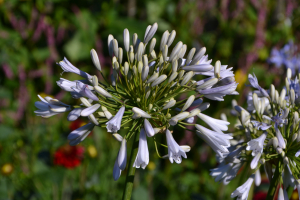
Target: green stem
{"x": 131, "y": 170}
{"x": 274, "y": 182}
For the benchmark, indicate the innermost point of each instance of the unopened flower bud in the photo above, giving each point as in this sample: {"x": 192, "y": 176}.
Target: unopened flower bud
{"x": 134, "y": 40}
{"x": 174, "y": 66}
{"x": 110, "y": 45}
{"x": 145, "y": 72}
{"x": 292, "y": 97}
{"x": 188, "y": 103}
{"x": 126, "y": 38}
{"x": 140, "y": 112}
{"x": 150, "y": 33}
{"x": 101, "y": 114}
{"x": 198, "y": 56}
{"x": 187, "y": 77}
{"x": 116, "y": 47}
{"x": 120, "y": 55}
{"x": 95, "y": 80}
{"x": 171, "y": 38}
{"x": 165, "y": 53}
{"x": 275, "y": 142}
{"x": 85, "y": 102}
{"x": 255, "y": 102}
{"x": 190, "y": 56}
{"x": 164, "y": 40}
{"x": 169, "y": 104}
{"x": 295, "y": 136}
{"x": 207, "y": 84}
{"x": 153, "y": 54}
{"x": 159, "y": 80}
{"x": 175, "y": 51}
{"x": 217, "y": 69}
{"x": 95, "y": 59}
{"x": 152, "y": 45}
{"x": 282, "y": 95}
{"x": 287, "y": 84}
{"x": 182, "y": 51}
{"x": 126, "y": 68}
{"x": 173, "y": 121}
{"x": 272, "y": 93}
{"x": 140, "y": 51}
{"x": 172, "y": 77}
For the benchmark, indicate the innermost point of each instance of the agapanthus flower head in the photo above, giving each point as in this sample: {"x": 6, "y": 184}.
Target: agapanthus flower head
{"x": 287, "y": 56}
{"x": 140, "y": 96}
{"x": 269, "y": 135}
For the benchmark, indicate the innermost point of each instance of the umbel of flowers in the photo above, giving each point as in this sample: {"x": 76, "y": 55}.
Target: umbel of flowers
{"x": 139, "y": 96}
{"x": 268, "y": 137}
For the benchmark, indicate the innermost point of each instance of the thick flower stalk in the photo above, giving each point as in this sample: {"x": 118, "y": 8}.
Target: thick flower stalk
{"x": 141, "y": 94}
{"x": 267, "y": 137}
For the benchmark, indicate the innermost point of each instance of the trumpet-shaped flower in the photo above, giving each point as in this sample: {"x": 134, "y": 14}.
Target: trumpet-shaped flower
{"x": 242, "y": 192}
{"x": 84, "y": 90}
{"x": 281, "y": 142}
{"x": 49, "y": 107}
{"x": 114, "y": 124}
{"x": 260, "y": 125}
{"x": 116, "y": 170}
{"x": 217, "y": 141}
{"x": 174, "y": 150}
{"x": 68, "y": 67}
{"x": 142, "y": 157}
{"x": 254, "y": 83}
{"x": 218, "y": 93}
{"x": 122, "y": 156}
{"x": 215, "y": 124}
{"x": 257, "y": 145}
{"x": 68, "y": 85}
{"x": 225, "y": 172}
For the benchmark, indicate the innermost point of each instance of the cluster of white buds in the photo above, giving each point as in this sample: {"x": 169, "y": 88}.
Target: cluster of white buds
{"x": 267, "y": 135}
{"x": 140, "y": 96}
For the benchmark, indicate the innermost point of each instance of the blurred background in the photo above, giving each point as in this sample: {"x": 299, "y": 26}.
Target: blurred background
{"x": 35, "y": 160}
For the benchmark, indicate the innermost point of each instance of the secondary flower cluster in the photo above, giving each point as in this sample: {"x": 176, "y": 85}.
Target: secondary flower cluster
{"x": 287, "y": 57}
{"x": 140, "y": 96}
{"x": 267, "y": 135}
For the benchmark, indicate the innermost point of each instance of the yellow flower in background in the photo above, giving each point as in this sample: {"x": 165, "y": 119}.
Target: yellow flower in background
{"x": 82, "y": 124}
{"x": 44, "y": 94}
{"x": 295, "y": 195}
{"x": 241, "y": 78}
{"x": 7, "y": 169}
{"x": 92, "y": 151}
{"x": 151, "y": 166}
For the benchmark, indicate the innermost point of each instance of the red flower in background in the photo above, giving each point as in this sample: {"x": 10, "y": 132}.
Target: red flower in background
{"x": 69, "y": 156}
{"x": 260, "y": 195}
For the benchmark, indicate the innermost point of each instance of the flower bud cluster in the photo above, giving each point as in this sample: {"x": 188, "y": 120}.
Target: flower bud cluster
{"x": 267, "y": 136}
{"x": 140, "y": 96}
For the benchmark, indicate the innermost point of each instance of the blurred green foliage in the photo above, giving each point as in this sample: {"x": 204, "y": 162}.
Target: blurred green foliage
{"x": 34, "y": 35}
